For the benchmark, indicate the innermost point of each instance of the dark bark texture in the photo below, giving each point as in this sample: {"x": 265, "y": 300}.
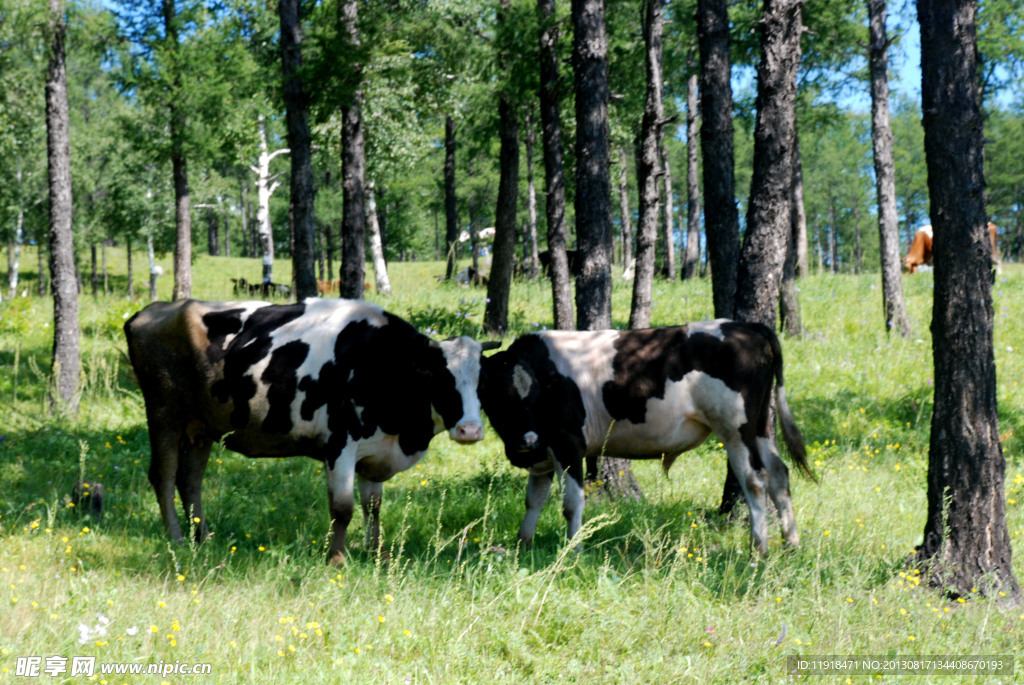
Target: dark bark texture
{"x": 721, "y": 218}
{"x": 965, "y": 536}
{"x": 65, "y": 361}
{"x": 885, "y": 172}
{"x": 451, "y": 217}
{"x": 554, "y": 168}
{"x": 593, "y": 182}
{"x": 296, "y": 104}
{"x": 353, "y": 175}
{"x": 647, "y": 170}
{"x": 759, "y": 276}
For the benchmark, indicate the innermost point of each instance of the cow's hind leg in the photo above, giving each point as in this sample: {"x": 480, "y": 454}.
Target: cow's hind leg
{"x": 538, "y": 487}
{"x": 778, "y": 489}
{"x": 341, "y": 498}
{"x": 165, "y": 450}
{"x": 573, "y": 498}
{"x": 753, "y": 490}
{"x": 369, "y": 498}
{"x": 195, "y": 454}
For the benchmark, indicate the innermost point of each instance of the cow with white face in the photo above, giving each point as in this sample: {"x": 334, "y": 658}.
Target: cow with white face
{"x": 341, "y": 381}
{"x": 559, "y": 398}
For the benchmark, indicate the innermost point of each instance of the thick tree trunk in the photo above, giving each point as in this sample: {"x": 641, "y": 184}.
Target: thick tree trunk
{"x": 965, "y": 537}
{"x": 65, "y": 363}
{"x": 624, "y": 213}
{"x": 759, "y": 277}
{"x": 380, "y": 267}
{"x": 647, "y": 171}
{"x": 721, "y": 218}
{"x": 353, "y": 173}
{"x": 451, "y": 219}
{"x": 691, "y": 258}
{"x": 500, "y": 282}
{"x": 554, "y": 169}
{"x": 302, "y": 197}
{"x": 593, "y": 183}
{"x": 885, "y": 175}
{"x": 182, "y": 199}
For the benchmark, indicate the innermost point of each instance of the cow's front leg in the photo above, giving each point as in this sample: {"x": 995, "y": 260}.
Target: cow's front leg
{"x": 341, "y": 499}
{"x": 538, "y": 487}
{"x": 573, "y": 496}
{"x": 369, "y": 498}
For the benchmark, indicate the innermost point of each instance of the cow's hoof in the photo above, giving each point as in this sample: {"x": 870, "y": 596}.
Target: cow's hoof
{"x": 336, "y": 558}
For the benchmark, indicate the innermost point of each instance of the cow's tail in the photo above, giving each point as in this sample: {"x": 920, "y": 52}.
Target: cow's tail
{"x": 790, "y": 433}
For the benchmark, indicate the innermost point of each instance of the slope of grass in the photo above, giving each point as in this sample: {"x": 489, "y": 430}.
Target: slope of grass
{"x": 663, "y": 590}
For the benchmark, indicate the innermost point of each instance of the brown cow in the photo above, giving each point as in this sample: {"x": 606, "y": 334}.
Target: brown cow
{"x": 921, "y": 249}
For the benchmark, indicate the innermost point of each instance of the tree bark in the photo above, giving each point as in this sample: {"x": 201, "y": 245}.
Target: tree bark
{"x": 505, "y": 227}
{"x": 380, "y": 267}
{"x": 554, "y": 168}
{"x": 721, "y": 218}
{"x": 593, "y": 183}
{"x": 885, "y": 174}
{"x": 265, "y": 187}
{"x": 532, "y": 258}
{"x": 451, "y": 219}
{"x": 353, "y": 173}
{"x": 624, "y": 213}
{"x": 966, "y": 542}
{"x": 63, "y": 394}
{"x": 691, "y": 258}
{"x": 182, "y": 198}
{"x": 302, "y": 198}
{"x": 759, "y": 277}
{"x": 648, "y": 168}
{"x": 668, "y": 209}
{"x": 789, "y": 300}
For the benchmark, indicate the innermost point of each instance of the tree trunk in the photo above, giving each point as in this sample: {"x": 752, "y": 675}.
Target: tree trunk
{"x": 451, "y": 219}
{"x": 498, "y": 287}
{"x": 380, "y": 267}
{"x": 131, "y": 270}
{"x": 789, "y": 302}
{"x": 966, "y": 541}
{"x": 691, "y": 258}
{"x": 153, "y": 269}
{"x": 833, "y": 240}
{"x": 212, "y": 232}
{"x": 669, "y": 211}
{"x": 182, "y": 199}
{"x": 63, "y": 394}
{"x": 647, "y": 170}
{"x": 593, "y": 184}
{"x": 624, "y": 214}
{"x": 759, "y": 277}
{"x": 554, "y": 169}
{"x": 296, "y": 102}
{"x": 14, "y": 244}
{"x": 94, "y": 276}
{"x": 41, "y": 264}
{"x": 353, "y": 173}
{"x": 532, "y": 257}
{"x": 721, "y": 218}
{"x": 885, "y": 175}
{"x": 265, "y": 187}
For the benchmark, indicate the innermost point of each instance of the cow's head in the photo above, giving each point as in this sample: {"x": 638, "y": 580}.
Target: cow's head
{"x": 511, "y": 395}
{"x": 455, "y": 396}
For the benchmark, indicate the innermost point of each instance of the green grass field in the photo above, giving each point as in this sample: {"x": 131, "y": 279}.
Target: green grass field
{"x": 663, "y": 591}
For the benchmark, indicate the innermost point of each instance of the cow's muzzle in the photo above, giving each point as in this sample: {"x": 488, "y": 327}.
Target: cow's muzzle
{"x": 467, "y": 432}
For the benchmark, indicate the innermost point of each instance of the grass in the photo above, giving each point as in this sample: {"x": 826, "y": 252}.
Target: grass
{"x": 663, "y": 591}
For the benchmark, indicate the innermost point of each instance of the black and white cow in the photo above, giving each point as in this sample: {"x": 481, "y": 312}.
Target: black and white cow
{"x": 557, "y": 398}
{"x": 341, "y": 381}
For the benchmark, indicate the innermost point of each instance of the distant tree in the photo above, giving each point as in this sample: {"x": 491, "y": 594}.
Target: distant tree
{"x": 648, "y": 169}
{"x": 1004, "y": 178}
{"x": 885, "y": 174}
{"x": 451, "y": 218}
{"x": 554, "y": 171}
{"x": 789, "y": 301}
{"x": 380, "y": 269}
{"x": 966, "y": 543}
{"x": 721, "y": 218}
{"x": 499, "y": 284}
{"x": 296, "y": 104}
{"x": 691, "y": 258}
{"x": 768, "y": 214}
{"x": 65, "y": 362}
{"x": 593, "y": 182}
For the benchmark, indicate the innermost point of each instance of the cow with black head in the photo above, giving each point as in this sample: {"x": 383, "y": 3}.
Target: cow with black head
{"x": 341, "y": 381}
{"x": 559, "y": 398}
